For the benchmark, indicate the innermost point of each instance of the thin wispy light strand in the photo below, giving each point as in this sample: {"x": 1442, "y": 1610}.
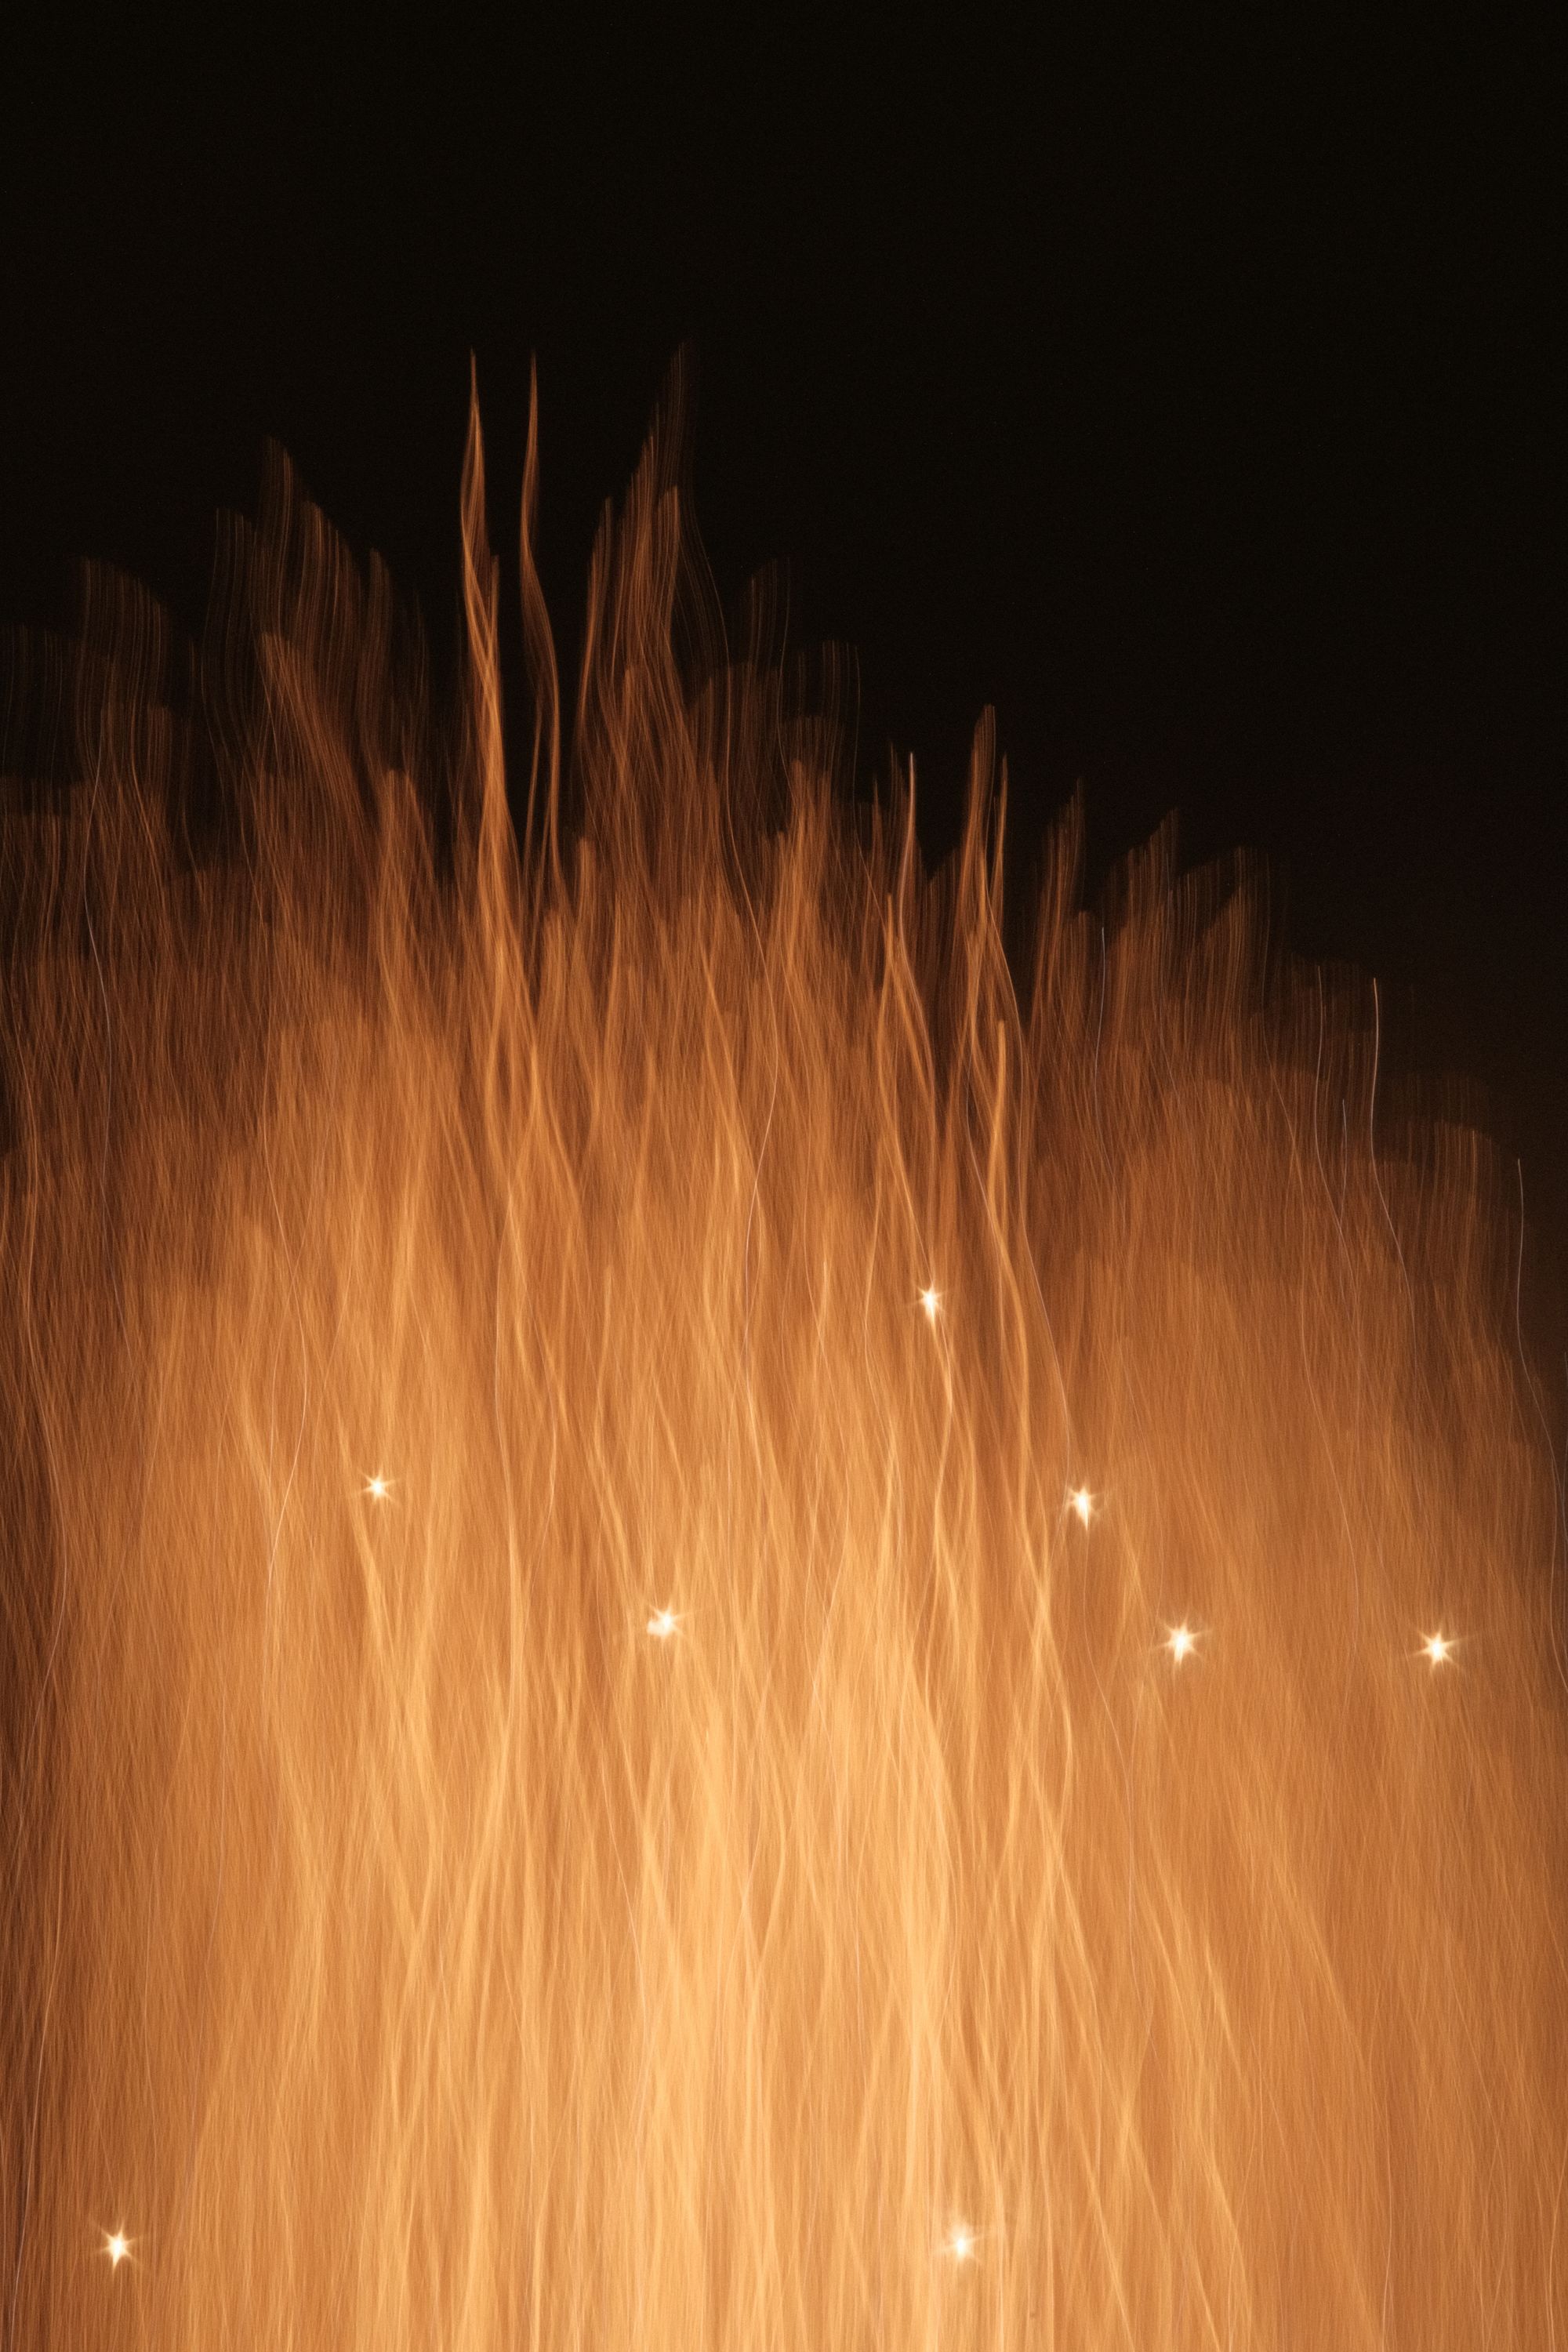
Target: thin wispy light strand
{"x": 724, "y": 1626}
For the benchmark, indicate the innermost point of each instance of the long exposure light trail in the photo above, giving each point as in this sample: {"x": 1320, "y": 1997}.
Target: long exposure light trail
{"x": 726, "y": 1623}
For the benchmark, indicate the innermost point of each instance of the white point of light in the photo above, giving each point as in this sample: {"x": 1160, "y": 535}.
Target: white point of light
{"x": 930, "y": 1299}
{"x": 662, "y": 1624}
{"x": 117, "y": 2246}
{"x": 960, "y": 2242}
{"x": 1438, "y": 1648}
{"x": 1081, "y": 1501}
{"x": 1181, "y": 1642}
{"x": 377, "y": 1487}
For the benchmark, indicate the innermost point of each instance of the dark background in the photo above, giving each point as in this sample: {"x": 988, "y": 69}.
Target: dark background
{"x": 1198, "y": 402}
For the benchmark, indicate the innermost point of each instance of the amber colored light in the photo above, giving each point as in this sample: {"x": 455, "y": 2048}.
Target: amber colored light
{"x": 583, "y": 1768}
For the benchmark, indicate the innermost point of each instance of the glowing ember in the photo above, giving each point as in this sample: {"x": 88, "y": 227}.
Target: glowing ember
{"x": 435, "y": 1956}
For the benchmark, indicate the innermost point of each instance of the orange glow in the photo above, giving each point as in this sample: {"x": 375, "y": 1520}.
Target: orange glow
{"x": 571, "y": 1779}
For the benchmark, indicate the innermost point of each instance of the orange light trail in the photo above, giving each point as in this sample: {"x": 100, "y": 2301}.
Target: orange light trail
{"x": 581, "y": 1767}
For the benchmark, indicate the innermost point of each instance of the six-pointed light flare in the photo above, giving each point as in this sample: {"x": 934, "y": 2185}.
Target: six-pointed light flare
{"x": 1438, "y": 1648}
{"x": 662, "y": 1625}
{"x": 1181, "y": 1642}
{"x": 930, "y": 1299}
{"x": 117, "y": 2246}
{"x": 377, "y": 1487}
{"x": 960, "y": 2243}
{"x": 1081, "y": 1501}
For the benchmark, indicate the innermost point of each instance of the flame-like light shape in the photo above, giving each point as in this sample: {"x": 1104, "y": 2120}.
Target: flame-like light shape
{"x": 428, "y": 1961}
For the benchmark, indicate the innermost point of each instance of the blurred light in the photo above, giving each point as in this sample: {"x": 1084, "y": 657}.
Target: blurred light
{"x": 398, "y": 1886}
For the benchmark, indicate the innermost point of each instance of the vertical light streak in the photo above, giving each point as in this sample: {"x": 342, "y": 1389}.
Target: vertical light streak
{"x": 429, "y": 1943}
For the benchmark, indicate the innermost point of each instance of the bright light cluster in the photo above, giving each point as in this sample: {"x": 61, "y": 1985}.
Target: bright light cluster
{"x": 1181, "y": 1640}
{"x": 756, "y": 1849}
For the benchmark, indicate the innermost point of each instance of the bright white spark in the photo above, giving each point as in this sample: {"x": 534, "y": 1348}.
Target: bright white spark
{"x": 377, "y": 1487}
{"x": 1439, "y": 1648}
{"x": 662, "y": 1624}
{"x": 1081, "y": 1501}
{"x": 1181, "y": 1643}
{"x": 961, "y": 2243}
{"x": 117, "y": 2246}
{"x": 930, "y": 1299}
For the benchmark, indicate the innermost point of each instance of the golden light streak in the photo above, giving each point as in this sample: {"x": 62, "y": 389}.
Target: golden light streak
{"x": 441, "y": 1949}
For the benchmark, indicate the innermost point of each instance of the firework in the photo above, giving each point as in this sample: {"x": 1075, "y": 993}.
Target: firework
{"x": 724, "y": 1626}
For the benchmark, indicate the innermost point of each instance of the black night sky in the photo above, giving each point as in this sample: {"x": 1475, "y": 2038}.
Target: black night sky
{"x": 1198, "y": 402}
